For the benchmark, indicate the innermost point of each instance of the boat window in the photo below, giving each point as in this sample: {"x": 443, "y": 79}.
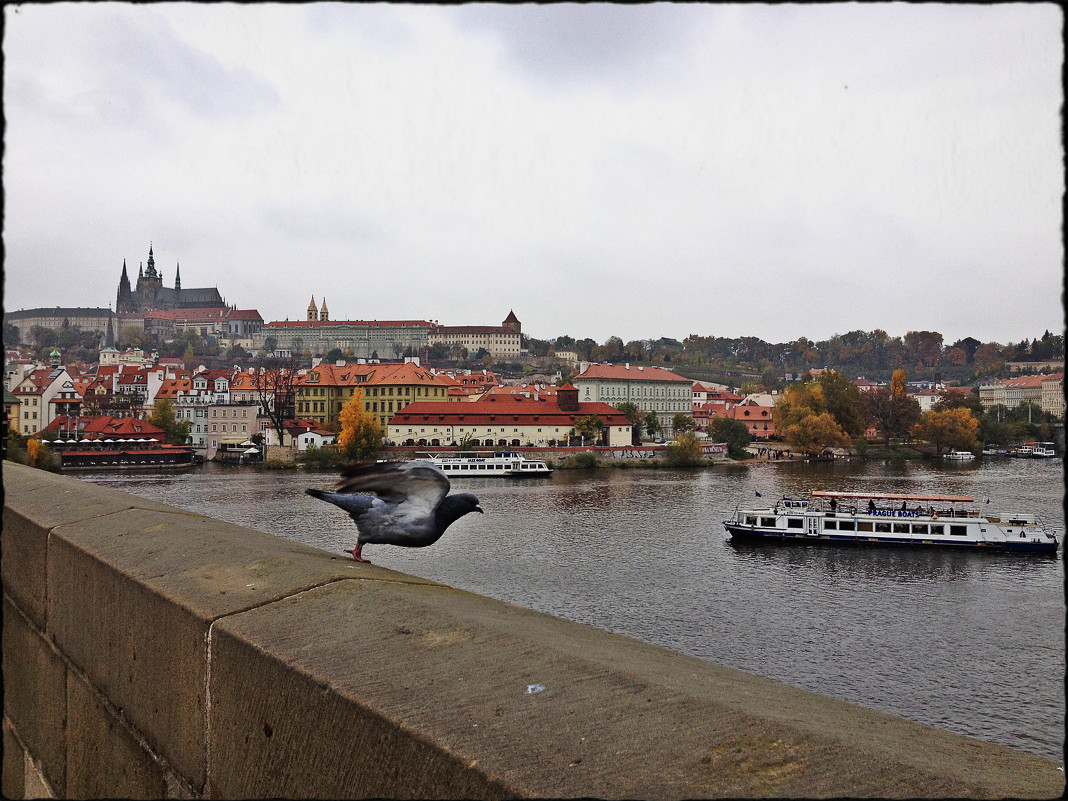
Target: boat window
{"x": 883, "y": 527}
{"x": 795, "y": 522}
{"x": 864, "y": 525}
{"x": 750, "y": 521}
{"x": 832, "y": 524}
{"x": 768, "y": 521}
{"x": 846, "y": 525}
{"x": 958, "y": 531}
{"x": 901, "y": 528}
{"x": 938, "y": 529}
{"x": 919, "y": 528}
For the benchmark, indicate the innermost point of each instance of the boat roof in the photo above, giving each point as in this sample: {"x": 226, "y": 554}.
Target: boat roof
{"x": 893, "y": 496}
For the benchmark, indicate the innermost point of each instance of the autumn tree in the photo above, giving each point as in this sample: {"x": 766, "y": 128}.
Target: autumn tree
{"x": 685, "y": 451}
{"x": 815, "y": 433}
{"x": 953, "y": 428}
{"x": 893, "y": 414}
{"x": 361, "y": 433}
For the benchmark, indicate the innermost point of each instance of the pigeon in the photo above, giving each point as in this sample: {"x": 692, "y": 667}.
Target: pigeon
{"x": 410, "y": 507}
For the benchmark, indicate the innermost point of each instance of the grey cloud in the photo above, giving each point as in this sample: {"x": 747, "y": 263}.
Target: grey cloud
{"x": 590, "y": 41}
{"x": 129, "y": 60}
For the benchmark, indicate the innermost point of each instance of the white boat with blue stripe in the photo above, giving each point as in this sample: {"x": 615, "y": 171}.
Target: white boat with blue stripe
{"x": 856, "y": 518}
{"x": 502, "y": 464}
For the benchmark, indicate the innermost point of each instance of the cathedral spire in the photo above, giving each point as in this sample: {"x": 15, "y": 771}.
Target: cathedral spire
{"x": 177, "y": 275}
{"x": 313, "y": 313}
{"x": 140, "y": 270}
{"x": 151, "y": 271}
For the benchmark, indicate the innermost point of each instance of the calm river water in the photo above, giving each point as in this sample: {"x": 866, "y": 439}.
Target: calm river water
{"x": 972, "y": 643}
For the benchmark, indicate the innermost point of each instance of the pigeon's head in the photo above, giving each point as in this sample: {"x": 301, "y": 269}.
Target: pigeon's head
{"x": 456, "y": 506}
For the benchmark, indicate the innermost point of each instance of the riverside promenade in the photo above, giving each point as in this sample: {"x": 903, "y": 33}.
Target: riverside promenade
{"x": 152, "y": 652}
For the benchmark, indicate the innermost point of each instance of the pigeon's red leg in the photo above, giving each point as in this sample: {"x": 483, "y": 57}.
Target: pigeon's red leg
{"x": 357, "y": 553}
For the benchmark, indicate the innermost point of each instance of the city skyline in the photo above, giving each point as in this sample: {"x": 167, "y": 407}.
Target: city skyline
{"x": 631, "y": 171}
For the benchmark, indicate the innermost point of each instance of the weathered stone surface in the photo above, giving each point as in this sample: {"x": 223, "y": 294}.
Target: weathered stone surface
{"x": 35, "y": 502}
{"x": 104, "y": 760}
{"x": 35, "y": 689}
{"x": 13, "y": 781}
{"x": 306, "y": 692}
{"x": 131, "y": 596}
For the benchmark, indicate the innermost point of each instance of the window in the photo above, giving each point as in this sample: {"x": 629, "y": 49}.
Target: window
{"x": 958, "y": 531}
{"x": 795, "y": 522}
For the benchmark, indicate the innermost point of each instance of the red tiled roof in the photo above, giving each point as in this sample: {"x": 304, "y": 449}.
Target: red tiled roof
{"x": 504, "y": 410}
{"x": 328, "y": 323}
{"x": 619, "y": 372}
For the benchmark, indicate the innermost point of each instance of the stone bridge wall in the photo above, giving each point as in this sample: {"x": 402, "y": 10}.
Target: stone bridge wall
{"x": 151, "y": 652}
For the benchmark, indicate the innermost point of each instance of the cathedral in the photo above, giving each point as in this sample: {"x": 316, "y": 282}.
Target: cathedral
{"x": 151, "y": 295}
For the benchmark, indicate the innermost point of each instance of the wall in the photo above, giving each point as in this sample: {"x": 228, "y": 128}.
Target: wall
{"x": 151, "y": 652}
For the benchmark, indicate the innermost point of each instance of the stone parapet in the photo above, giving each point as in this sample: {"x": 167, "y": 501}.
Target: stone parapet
{"x": 152, "y": 652}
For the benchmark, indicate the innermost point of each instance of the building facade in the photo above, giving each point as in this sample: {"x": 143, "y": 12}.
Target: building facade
{"x": 652, "y": 389}
{"x": 86, "y": 319}
{"x": 501, "y": 342}
{"x": 505, "y": 421}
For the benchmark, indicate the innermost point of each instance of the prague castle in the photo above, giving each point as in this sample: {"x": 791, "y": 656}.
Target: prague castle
{"x": 151, "y": 295}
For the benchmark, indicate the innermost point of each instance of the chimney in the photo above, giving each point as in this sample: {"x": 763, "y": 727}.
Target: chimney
{"x": 627, "y": 366}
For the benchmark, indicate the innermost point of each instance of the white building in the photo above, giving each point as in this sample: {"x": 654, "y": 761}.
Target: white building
{"x": 652, "y": 389}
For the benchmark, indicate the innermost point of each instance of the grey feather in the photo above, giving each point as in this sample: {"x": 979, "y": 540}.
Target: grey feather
{"x": 410, "y": 505}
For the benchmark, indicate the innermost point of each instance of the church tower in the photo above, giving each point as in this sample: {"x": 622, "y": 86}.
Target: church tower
{"x": 149, "y": 284}
{"x": 313, "y": 313}
{"x": 324, "y": 315}
{"x": 177, "y": 277}
{"x": 124, "y": 301}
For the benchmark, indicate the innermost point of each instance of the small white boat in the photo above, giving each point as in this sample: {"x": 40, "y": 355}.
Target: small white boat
{"x": 843, "y": 518}
{"x": 959, "y": 456}
{"x": 487, "y": 465}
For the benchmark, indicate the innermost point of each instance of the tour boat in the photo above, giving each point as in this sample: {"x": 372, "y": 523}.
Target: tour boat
{"x": 960, "y": 456}
{"x": 858, "y": 518}
{"x": 482, "y": 465}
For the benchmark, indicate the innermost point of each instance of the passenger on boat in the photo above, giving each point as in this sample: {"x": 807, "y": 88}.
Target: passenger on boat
{"x": 904, "y": 506}
{"x": 871, "y": 505}
{"x": 834, "y": 505}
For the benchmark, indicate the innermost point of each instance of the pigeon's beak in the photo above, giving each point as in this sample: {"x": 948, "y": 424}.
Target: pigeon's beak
{"x": 479, "y": 510}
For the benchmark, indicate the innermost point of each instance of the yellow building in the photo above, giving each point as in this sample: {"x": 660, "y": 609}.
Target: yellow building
{"x": 388, "y": 388}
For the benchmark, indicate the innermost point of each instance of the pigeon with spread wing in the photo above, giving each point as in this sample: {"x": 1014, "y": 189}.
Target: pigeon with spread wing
{"x": 397, "y": 503}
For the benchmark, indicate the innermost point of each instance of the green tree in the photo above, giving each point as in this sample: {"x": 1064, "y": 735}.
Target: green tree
{"x": 175, "y": 432}
{"x": 589, "y": 428}
{"x": 681, "y": 423}
{"x": 652, "y": 424}
{"x": 733, "y": 432}
{"x": 953, "y": 428}
{"x": 131, "y": 337}
{"x": 634, "y": 415}
{"x": 844, "y": 402}
{"x": 684, "y": 451}
{"x": 361, "y": 434}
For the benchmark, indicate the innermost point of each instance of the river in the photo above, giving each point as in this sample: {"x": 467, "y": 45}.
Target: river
{"x": 969, "y": 642}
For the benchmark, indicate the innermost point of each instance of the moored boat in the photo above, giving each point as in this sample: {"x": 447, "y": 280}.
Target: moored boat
{"x": 856, "y": 518}
{"x": 482, "y": 465}
{"x": 959, "y": 456}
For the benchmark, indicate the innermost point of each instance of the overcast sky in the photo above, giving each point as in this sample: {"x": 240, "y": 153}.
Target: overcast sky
{"x": 635, "y": 171}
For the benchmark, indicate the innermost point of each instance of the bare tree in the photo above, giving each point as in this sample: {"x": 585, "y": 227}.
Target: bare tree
{"x": 276, "y": 389}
